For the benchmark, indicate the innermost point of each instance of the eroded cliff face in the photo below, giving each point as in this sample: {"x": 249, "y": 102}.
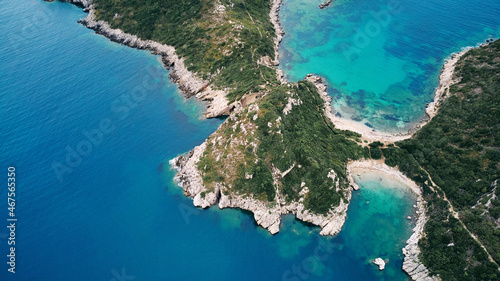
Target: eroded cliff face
{"x": 412, "y": 264}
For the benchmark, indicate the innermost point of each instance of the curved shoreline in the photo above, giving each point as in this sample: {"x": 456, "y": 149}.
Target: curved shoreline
{"x": 411, "y": 264}
{"x": 189, "y": 177}
{"x": 441, "y": 93}
{"x": 265, "y": 214}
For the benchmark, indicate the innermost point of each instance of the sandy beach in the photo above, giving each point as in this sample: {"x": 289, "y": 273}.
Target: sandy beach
{"x": 367, "y": 134}
{"x": 378, "y": 169}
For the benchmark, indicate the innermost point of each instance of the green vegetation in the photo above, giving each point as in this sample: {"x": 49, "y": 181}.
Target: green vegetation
{"x": 302, "y": 140}
{"x": 448, "y": 250}
{"x": 221, "y": 43}
{"x": 460, "y": 149}
{"x": 307, "y": 139}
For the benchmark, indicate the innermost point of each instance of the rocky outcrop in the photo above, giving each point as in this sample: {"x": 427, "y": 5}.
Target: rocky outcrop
{"x": 278, "y": 30}
{"x": 380, "y": 263}
{"x": 411, "y": 263}
{"x": 189, "y": 83}
{"x": 325, "y": 4}
{"x": 321, "y": 87}
{"x": 266, "y": 214}
{"x": 85, "y": 4}
{"x": 218, "y": 105}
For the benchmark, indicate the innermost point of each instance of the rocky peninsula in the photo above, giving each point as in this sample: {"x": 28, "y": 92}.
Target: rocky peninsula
{"x": 266, "y": 214}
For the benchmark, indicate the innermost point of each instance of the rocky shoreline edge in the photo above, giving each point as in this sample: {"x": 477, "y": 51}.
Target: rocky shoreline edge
{"x": 279, "y": 32}
{"x": 269, "y": 216}
{"x": 325, "y": 4}
{"x": 189, "y": 83}
{"x": 446, "y": 79}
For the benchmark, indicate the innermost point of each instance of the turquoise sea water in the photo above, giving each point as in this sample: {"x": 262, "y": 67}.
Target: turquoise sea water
{"x": 112, "y": 212}
{"x": 381, "y": 58}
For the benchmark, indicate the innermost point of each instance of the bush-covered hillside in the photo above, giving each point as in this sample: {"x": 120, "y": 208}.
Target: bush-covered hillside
{"x": 460, "y": 149}
{"x": 220, "y": 40}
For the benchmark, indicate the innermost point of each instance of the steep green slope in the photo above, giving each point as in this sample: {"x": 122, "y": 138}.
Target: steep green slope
{"x": 460, "y": 149}
{"x": 270, "y": 138}
{"x": 219, "y": 40}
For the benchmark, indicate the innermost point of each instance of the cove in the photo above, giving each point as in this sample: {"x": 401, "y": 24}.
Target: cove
{"x": 381, "y": 58}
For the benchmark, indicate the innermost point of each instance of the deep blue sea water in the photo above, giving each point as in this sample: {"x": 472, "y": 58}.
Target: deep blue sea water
{"x": 381, "y": 58}
{"x": 113, "y": 212}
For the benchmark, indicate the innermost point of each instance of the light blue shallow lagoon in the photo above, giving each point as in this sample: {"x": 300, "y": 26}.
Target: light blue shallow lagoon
{"x": 381, "y": 58}
{"x": 90, "y": 126}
